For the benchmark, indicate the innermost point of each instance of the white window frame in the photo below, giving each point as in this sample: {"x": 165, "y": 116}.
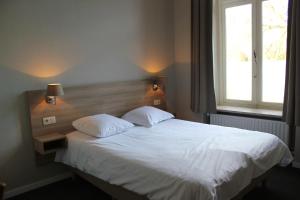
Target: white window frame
{"x": 256, "y": 101}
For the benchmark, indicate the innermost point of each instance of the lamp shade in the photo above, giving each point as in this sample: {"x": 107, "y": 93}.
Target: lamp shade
{"x": 55, "y": 89}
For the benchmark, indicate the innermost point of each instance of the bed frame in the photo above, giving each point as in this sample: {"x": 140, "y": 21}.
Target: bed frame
{"x": 120, "y": 193}
{"x": 112, "y": 98}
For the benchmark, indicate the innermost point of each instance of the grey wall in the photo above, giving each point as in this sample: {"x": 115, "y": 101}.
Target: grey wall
{"x": 182, "y": 41}
{"x": 73, "y": 42}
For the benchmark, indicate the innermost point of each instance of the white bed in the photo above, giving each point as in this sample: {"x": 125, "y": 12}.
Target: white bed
{"x": 177, "y": 160}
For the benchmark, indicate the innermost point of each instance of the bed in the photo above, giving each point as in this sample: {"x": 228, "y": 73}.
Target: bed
{"x": 177, "y": 159}
{"x": 174, "y": 159}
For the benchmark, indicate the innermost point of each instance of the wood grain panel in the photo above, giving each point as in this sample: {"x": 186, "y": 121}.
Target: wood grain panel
{"x": 112, "y": 98}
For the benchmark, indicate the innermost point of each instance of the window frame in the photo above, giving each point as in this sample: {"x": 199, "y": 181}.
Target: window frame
{"x": 257, "y": 46}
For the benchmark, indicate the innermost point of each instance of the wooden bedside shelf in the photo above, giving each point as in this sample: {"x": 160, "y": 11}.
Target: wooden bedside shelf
{"x": 49, "y": 143}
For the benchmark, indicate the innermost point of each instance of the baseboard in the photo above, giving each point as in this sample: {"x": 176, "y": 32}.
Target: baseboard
{"x": 296, "y": 164}
{"x": 35, "y": 185}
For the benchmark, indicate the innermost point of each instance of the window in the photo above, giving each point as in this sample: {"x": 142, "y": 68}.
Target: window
{"x": 253, "y": 53}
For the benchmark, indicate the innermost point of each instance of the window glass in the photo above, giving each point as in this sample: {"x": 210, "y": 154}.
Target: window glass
{"x": 274, "y": 36}
{"x": 238, "y": 27}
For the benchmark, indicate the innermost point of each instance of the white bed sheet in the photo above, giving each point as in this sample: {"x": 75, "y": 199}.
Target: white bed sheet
{"x": 177, "y": 160}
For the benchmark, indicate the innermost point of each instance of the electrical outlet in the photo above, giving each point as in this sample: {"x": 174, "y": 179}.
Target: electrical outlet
{"x": 49, "y": 120}
{"x": 156, "y": 102}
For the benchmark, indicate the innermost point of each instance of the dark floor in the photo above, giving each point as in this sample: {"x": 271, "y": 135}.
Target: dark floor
{"x": 283, "y": 184}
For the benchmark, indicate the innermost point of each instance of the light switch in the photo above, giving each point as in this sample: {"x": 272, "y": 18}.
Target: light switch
{"x": 156, "y": 102}
{"x": 49, "y": 120}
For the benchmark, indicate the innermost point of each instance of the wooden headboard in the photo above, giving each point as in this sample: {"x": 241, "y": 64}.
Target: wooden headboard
{"x": 112, "y": 98}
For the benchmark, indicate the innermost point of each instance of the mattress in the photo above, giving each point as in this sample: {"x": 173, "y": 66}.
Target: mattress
{"x": 177, "y": 159}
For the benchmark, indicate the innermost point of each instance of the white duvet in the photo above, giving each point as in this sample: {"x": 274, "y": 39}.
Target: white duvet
{"x": 177, "y": 160}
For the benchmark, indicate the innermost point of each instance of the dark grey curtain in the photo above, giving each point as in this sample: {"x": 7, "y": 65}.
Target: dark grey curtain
{"x": 291, "y": 108}
{"x": 202, "y": 82}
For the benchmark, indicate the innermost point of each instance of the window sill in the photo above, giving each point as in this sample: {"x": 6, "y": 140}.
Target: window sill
{"x": 250, "y": 112}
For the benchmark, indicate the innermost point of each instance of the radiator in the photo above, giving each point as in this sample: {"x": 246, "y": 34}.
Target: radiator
{"x": 278, "y": 128}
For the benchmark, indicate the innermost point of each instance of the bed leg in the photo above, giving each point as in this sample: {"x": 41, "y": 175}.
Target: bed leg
{"x": 74, "y": 177}
{"x": 263, "y": 183}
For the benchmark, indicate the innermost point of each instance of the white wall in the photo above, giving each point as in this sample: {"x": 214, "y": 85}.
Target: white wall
{"x": 73, "y": 42}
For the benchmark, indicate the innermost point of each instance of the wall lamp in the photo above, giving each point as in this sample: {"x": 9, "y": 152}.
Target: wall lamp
{"x": 155, "y": 85}
{"x": 54, "y": 90}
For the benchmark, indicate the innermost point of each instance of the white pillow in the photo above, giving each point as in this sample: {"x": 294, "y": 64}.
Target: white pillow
{"x": 147, "y": 116}
{"x": 101, "y": 125}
